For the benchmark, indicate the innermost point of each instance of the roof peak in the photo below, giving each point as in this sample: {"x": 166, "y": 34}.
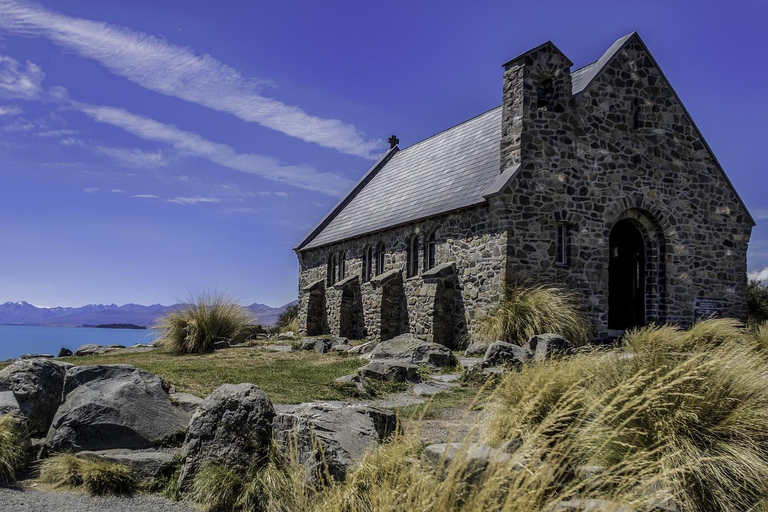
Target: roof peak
{"x": 536, "y": 49}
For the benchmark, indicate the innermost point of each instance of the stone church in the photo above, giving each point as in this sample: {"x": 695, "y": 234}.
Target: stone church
{"x": 595, "y": 179}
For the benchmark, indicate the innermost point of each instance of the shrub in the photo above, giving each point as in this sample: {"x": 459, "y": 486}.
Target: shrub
{"x": 95, "y": 476}
{"x": 197, "y": 326}
{"x": 12, "y": 439}
{"x": 757, "y": 301}
{"x": 288, "y": 320}
{"x": 526, "y": 311}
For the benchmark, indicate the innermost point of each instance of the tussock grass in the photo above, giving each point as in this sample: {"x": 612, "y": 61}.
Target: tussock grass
{"x": 205, "y": 320}
{"x": 526, "y": 311}
{"x": 95, "y": 476}
{"x": 12, "y": 439}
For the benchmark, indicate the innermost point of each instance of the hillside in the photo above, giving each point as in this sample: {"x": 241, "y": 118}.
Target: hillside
{"x": 23, "y": 313}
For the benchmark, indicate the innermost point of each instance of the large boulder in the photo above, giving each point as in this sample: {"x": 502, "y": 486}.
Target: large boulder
{"x": 114, "y": 406}
{"x": 65, "y": 352}
{"x": 328, "y": 439}
{"x": 508, "y": 354}
{"x": 231, "y": 427}
{"x": 391, "y": 371}
{"x": 8, "y": 403}
{"x": 548, "y": 345}
{"x": 478, "y": 348}
{"x": 474, "y": 458}
{"x": 365, "y": 348}
{"x": 407, "y": 348}
{"x": 37, "y": 385}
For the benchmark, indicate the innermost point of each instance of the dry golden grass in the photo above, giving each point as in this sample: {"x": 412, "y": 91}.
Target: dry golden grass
{"x": 11, "y": 446}
{"x": 206, "y": 319}
{"x": 95, "y": 476}
{"x": 526, "y": 311}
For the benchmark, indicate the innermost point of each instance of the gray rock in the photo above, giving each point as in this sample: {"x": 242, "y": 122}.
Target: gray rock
{"x": 330, "y": 438}
{"x": 548, "y": 345}
{"x": 365, "y": 348}
{"x": 432, "y": 388}
{"x": 114, "y": 406}
{"x": 37, "y": 385}
{"x": 474, "y": 457}
{"x": 145, "y": 464}
{"x": 308, "y": 344}
{"x": 324, "y": 345}
{"x": 36, "y": 356}
{"x": 278, "y": 348}
{"x": 287, "y": 336}
{"x": 407, "y": 348}
{"x": 115, "y": 346}
{"x": 352, "y": 379}
{"x": 91, "y": 349}
{"x": 64, "y": 352}
{"x": 448, "y": 377}
{"x": 221, "y": 344}
{"x": 8, "y": 403}
{"x": 502, "y": 353}
{"x": 477, "y": 348}
{"x": 231, "y": 427}
{"x": 341, "y": 348}
{"x": 185, "y": 401}
{"x": 392, "y": 371}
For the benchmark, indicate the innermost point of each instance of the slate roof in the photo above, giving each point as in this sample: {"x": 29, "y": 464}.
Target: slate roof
{"x": 453, "y": 169}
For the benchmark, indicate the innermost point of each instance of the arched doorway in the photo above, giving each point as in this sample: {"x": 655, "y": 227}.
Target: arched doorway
{"x": 626, "y": 277}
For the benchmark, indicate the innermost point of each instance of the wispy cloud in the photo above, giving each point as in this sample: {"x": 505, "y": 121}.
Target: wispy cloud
{"x": 193, "y": 200}
{"x": 91, "y": 190}
{"x": 760, "y": 214}
{"x": 759, "y": 275}
{"x": 17, "y": 80}
{"x": 55, "y": 134}
{"x": 10, "y": 110}
{"x": 241, "y": 209}
{"x": 188, "y": 143}
{"x": 177, "y": 71}
{"x": 117, "y": 191}
{"x": 133, "y": 158}
{"x": 145, "y": 196}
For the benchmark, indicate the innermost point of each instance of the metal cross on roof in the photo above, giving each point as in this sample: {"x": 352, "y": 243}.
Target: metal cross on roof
{"x": 393, "y": 141}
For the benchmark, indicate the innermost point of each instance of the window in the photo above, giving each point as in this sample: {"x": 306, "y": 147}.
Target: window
{"x": 331, "y": 269}
{"x": 367, "y": 263}
{"x": 342, "y": 266}
{"x": 430, "y": 250}
{"x": 561, "y": 245}
{"x": 380, "y": 259}
{"x": 413, "y": 256}
{"x": 636, "y": 114}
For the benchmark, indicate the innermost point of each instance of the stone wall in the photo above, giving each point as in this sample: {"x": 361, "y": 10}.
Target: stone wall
{"x": 471, "y": 240}
{"x": 625, "y": 149}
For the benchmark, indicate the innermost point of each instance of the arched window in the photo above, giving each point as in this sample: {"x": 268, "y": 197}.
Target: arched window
{"x": 342, "y": 266}
{"x": 430, "y": 250}
{"x": 367, "y": 263}
{"x": 380, "y": 259}
{"x": 413, "y": 255}
{"x": 331, "y": 269}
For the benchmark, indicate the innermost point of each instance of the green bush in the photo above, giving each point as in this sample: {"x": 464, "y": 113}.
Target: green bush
{"x": 526, "y": 311}
{"x": 757, "y": 301}
{"x": 95, "y": 476}
{"x": 195, "y": 327}
{"x": 288, "y": 320}
{"x": 12, "y": 439}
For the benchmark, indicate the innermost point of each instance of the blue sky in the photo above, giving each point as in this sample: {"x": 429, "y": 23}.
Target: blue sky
{"x": 153, "y": 149}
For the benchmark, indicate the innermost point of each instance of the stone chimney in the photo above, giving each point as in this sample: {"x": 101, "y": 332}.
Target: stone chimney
{"x": 536, "y": 107}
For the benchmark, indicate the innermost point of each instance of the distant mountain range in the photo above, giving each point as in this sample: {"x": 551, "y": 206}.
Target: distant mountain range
{"x": 23, "y": 313}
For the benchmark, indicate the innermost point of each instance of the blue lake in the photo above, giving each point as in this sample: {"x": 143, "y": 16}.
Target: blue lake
{"x": 16, "y": 340}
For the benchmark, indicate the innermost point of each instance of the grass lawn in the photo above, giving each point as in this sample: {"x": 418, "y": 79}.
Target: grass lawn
{"x": 287, "y": 377}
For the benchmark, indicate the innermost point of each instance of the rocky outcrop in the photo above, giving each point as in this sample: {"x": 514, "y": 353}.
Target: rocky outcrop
{"x": 391, "y": 371}
{"x": 114, "y": 406}
{"x": 64, "y": 352}
{"x": 91, "y": 349}
{"x": 328, "y": 439}
{"x": 8, "y": 403}
{"x": 365, "y": 348}
{"x": 407, "y": 348}
{"x": 37, "y": 386}
{"x": 231, "y": 427}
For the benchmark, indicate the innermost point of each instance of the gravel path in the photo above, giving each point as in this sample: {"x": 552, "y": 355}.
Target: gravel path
{"x": 16, "y": 499}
